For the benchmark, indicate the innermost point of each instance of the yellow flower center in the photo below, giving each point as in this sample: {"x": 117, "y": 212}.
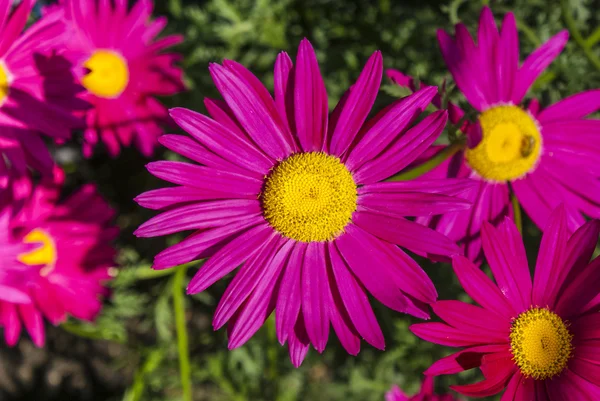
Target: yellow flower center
{"x": 309, "y": 197}
{"x": 510, "y": 146}
{"x": 540, "y": 343}
{"x": 108, "y": 74}
{"x": 5, "y": 80}
{"x": 44, "y": 255}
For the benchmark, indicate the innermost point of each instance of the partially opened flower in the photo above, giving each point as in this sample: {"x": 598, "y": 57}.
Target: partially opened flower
{"x": 511, "y": 147}
{"x": 427, "y": 393}
{"x": 57, "y": 256}
{"x": 37, "y": 93}
{"x": 538, "y": 340}
{"x": 124, "y": 68}
{"x": 294, "y": 197}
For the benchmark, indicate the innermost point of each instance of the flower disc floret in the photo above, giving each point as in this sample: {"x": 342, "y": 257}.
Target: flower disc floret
{"x": 309, "y": 197}
{"x": 108, "y": 74}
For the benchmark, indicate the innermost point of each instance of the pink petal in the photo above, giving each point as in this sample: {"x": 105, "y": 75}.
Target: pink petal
{"x": 298, "y": 343}
{"x": 490, "y": 385}
{"x": 507, "y": 58}
{"x": 466, "y": 359}
{"x": 474, "y": 319}
{"x": 166, "y": 197}
{"x": 442, "y": 334}
{"x": 34, "y": 323}
{"x": 411, "y": 203}
{"x": 290, "y": 295}
{"x": 572, "y": 107}
{"x": 283, "y": 85}
{"x": 315, "y": 284}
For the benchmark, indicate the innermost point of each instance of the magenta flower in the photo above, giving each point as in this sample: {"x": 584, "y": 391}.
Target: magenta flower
{"x": 55, "y": 257}
{"x": 123, "y": 67}
{"x": 294, "y": 197}
{"x": 37, "y": 93}
{"x": 425, "y": 394}
{"x": 540, "y": 340}
{"x": 512, "y": 148}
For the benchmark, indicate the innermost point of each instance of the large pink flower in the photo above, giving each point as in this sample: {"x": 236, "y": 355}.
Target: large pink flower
{"x": 37, "y": 93}
{"x": 427, "y": 393}
{"x": 538, "y": 340}
{"x": 512, "y": 148}
{"x": 55, "y": 257}
{"x": 294, "y": 196}
{"x": 124, "y": 68}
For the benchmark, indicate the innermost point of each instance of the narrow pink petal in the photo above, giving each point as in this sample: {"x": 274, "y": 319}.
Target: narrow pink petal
{"x": 579, "y": 292}
{"x": 408, "y": 234}
{"x": 358, "y": 105}
{"x": 255, "y": 111}
{"x": 15, "y": 25}
{"x": 446, "y": 186}
{"x": 283, "y": 87}
{"x": 476, "y": 320}
{"x": 536, "y": 63}
{"x": 310, "y": 100}
{"x": 204, "y": 178}
{"x": 505, "y": 253}
{"x": 481, "y": 289}
{"x": 389, "y": 125}
{"x": 550, "y": 271}
{"x": 166, "y": 197}
{"x": 226, "y": 259}
{"x": 571, "y": 386}
{"x": 315, "y": 284}
{"x": 221, "y": 113}
{"x": 252, "y": 276}
{"x": 199, "y": 216}
{"x": 580, "y": 248}
{"x": 342, "y": 325}
{"x": 9, "y": 318}
{"x": 290, "y": 295}
{"x": 298, "y": 343}
{"x": 572, "y": 107}
{"x": 507, "y": 58}
{"x": 34, "y": 323}
{"x": 489, "y": 386}
{"x": 47, "y": 302}
{"x": 587, "y": 370}
{"x": 411, "y": 203}
{"x": 442, "y": 334}
{"x": 487, "y": 44}
{"x": 221, "y": 141}
{"x": 466, "y": 359}
{"x": 519, "y": 388}
{"x": 355, "y": 300}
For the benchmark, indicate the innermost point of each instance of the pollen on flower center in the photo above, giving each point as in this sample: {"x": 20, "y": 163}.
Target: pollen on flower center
{"x": 5, "y": 79}
{"x": 510, "y": 145}
{"x": 43, "y": 255}
{"x": 540, "y": 343}
{"x": 309, "y": 197}
{"x": 108, "y": 74}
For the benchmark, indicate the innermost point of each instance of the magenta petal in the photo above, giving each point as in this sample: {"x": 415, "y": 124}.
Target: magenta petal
{"x": 408, "y": 234}
{"x": 536, "y": 63}
{"x": 487, "y": 44}
{"x": 506, "y": 256}
{"x": 550, "y": 271}
{"x": 571, "y": 386}
{"x": 205, "y": 178}
{"x": 290, "y": 295}
{"x": 34, "y": 323}
{"x": 388, "y": 126}
{"x": 579, "y": 292}
{"x": 474, "y": 319}
{"x": 490, "y": 385}
{"x": 572, "y": 107}
{"x": 481, "y": 289}
{"x": 404, "y": 151}
{"x": 46, "y": 300}
{"x": 466, "y": 359}
{"x": 281, "y": 82}
{"x": 580, "y": 248}
{"x": 298, "y": 343}
{"x": 587, "y": 370}
{"x": 440, "y": 333}
{"x": 229, "y": 257}
{"x": 9, "y": 318}
{"x": 344, "y": 329}
{"x": 199, "y": 216}
{"x": 315, "y": 284}
{"x": 221, "y": 141}
{"x": 357, "y": 105}
{"x": 356, "y": 301}
{"x": 446, "y": 186}
{"x": 507, "y": 58}
{"x": 250, "y": 276}
{"x": 255, "y": 112}
{"x": 166, "y": 197}
{"x": 221, "y": 113}
{"x": 260, "y": 303}
{"x": 519, "y": 388}
{"x": 310, "y": 100}
{"x": 411, "y": 203}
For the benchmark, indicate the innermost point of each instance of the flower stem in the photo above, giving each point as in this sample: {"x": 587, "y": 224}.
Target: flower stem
{"x": 576, "y": 34}
{"x": 517, "y": 212}
{"x": 182, "y": 337}
{"x": 430, "y": 164}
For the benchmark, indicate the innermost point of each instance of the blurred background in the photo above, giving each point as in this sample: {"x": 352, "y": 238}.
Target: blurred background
{"x": 130, "y": 354}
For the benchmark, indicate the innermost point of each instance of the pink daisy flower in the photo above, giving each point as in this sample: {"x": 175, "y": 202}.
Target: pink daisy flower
{"x": 426, "y": 393}
{"x": 294, "y": 196}
{"x": 512, "y": 148}
{"x": 538, "y": 340}
{"x": 37, "y": 93}
{"x": 124, "y": 68}
{"x": 55, "y": 257}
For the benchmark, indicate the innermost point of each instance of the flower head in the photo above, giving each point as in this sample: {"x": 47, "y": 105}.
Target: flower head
{"x": 38, "y": 93}
{"x": 293, "y": 196}
{"x": 425, "y": 394}
{"x": 536, "y": 339}
{"x": 55, "y": 258}
{"x": 512, "y": 147}
{"x": 123, "y": 68}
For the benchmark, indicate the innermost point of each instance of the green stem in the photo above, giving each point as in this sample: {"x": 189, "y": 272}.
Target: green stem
{"x": 517, "y": 212}
{"x": 182, "y": 337}
{"x": 576, "y": 34}
{"x": 430, "y": 164}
